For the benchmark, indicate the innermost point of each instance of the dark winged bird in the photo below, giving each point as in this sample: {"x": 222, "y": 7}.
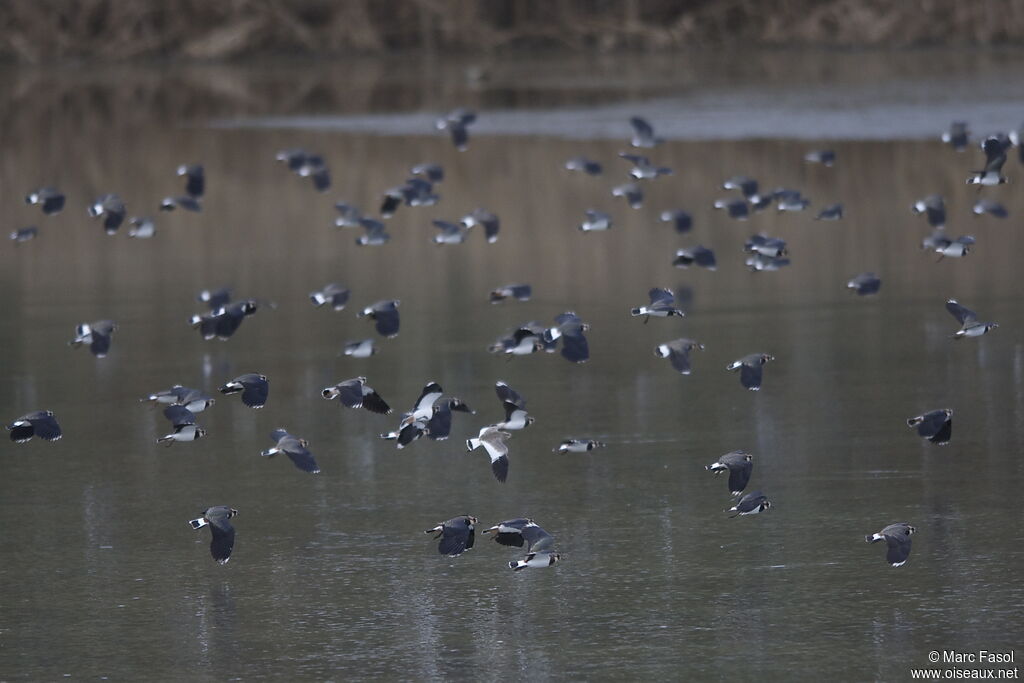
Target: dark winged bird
{"x": 578, "y": 446}
{"x": 935, "y": 425}
{"x": 493, "y": 440}
{"x": 750, "y": 369}
{"x": 24, "y": 234}
{"x": 111, "y": 208}
{"x": 761, "y": 263}
{"x": 521, "y": 532}
{"x": 680, "y": 220}
{"x": 195, "y": 400}
{"x": 539, "y": 559}
{"x": 749, "y": 188}
{"x": 764, "y": 245}
{"x": 734, "y": 207}
{"x": 825, "y": 157}
{"x": 307, "y": 165}
{"x": 968, "y": 319}
{"x": 141, "y": 227}
{"x": 96, "y": 335}
{"x": 678, "y": 353}
{"x": 457, "y": 123}
{"x": 865, "y": 283}
{"x": 750, "y": 504}
{"x": 184, "y": 202}
{"x": 195, "y": 179}
{"x": 570, "y": 328}
{"x": 439, "y": 426}
{"x": 515, "y": 408}
{"x": 356, "y": 393}
{"x": 991, "y": 207}
{"x": 374, "y": 233}
{"x": 934, "y": 208}
{"x": 254, "y": 387}
{"x": 953, "y": 248}
{"x": 223, "y": 541}
{"x": 385, "y": 316}
{"x": 631, "y": 192}
{"x": 584, "y": 165}
{"x": 363, "y": 348}
{"x": 739, "y": 465}
{"x": 643, "y": 133}
{"x": 643, "y": 169}
{"x": 663, "y": 305}
{"x": 995, "y": 157}
{"x": 897, "y": 538}
{"x": 49, "y": 199}
{"x": 457, "y": 535}
{"x": 225, "y": 321}
{"x": 832, "y": 212}
{"x": 957, "y": 136}
{"x": 518, "y": 291}
{"x": 487, "y": 220}
{"x": 414, "y": 192}
{"x": 39, "y": 423}
{"x": 414, "y": 423}
{"x": 524, "y": 340}
{"x": 596, "y": 221}
{"x": 295, "y": 448}
{"x": 333, "y": 293}
{"x": 431, "y": 171}
{"x": 450, "y": 233}
{"x": 698, "y": 255}
{"x": 183, "y": 424}
{"x": 349, "y": 215}
{"x": 789, "y": 200}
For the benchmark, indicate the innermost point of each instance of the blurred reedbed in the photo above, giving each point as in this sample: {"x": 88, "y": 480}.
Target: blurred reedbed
{"x": 46, "y": 31}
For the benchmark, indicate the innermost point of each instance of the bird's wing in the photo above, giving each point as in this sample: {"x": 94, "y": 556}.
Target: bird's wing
{"x": 963, "y": 314}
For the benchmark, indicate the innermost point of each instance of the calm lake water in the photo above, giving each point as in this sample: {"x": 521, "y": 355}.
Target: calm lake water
{"x": 332, "y": 577}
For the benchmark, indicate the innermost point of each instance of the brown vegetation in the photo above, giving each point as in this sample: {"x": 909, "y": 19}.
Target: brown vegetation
{"x": 35, "y": 31}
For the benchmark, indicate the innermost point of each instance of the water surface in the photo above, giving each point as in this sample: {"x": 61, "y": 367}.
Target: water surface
{"x": 332, "y": 577}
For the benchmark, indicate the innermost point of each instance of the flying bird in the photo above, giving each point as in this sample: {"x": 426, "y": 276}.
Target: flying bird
{"x": 570, "y": 328}
{"x": 254, "y": 387}
{"x": 750, "y": 504}
{"x": 662, "y": 305}
{"x": 643, "y": 133}
{"x": 223, "y": 541}
{"x": 578, "y": 446}
{"x": 457, "y": 123}
{"x": 183, "y": 424}
{"x": 970, "y": 326}
{"x": 111, "y": 208}
{"x": 897, "y": 538}
{"x": 518, "y": 291}
{"x": 356, "y": 393}
{"x": 332, "y": 293}
{"x": 995, "y": 157}
{"x": 493, "y": 440}
{"x": 865, "y": 283}
{"x": 456, "y": 534}
{"x": 96, "y": 335}
{"x": 750, "y": 369}
{"x": 521, "y": 532}
{"x": 41, "y": 423}
{"x": 295, "y": 448}
{"x": 49, "y": 199}
{"x": 739, "y": 465}
{"x": 698, "y": 255}
{"x": 935, "y": 425}
{"x": 385, "y": 316}
{"x": 678, "y": 353}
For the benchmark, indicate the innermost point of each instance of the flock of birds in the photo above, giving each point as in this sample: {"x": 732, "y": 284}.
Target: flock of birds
{"x": 432, "y": 412}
